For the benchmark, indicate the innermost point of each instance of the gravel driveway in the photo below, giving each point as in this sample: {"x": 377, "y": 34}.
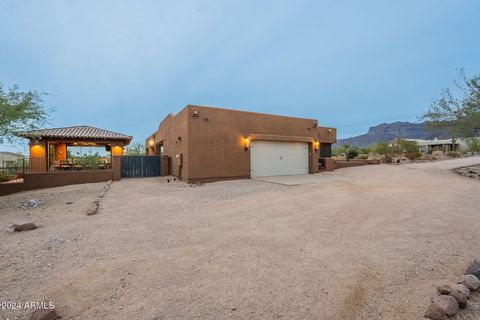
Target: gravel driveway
{"x": 371, "y": 245}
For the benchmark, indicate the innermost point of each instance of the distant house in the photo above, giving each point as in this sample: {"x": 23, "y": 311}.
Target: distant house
{"x": 444, "y": 145}
{"x": 9, "y": 158}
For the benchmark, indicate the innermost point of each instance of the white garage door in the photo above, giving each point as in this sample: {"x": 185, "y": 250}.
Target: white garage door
{"x": 274, "y": 158}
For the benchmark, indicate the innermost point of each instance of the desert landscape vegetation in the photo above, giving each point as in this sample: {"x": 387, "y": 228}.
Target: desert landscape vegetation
{"x": 351, "y": 244}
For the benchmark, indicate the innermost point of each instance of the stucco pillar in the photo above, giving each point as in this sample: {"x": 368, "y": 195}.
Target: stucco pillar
{"x": 116, "y": 168}
{"x": 38, "y": 156}
{"x": 313, "y": 158}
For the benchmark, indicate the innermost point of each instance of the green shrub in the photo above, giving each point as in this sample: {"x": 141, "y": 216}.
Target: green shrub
{"x": 381, "y": 148}
{"x": 406, "y": 146}
{"x": 352, "y": 153}
{"x": 473, "y": 145}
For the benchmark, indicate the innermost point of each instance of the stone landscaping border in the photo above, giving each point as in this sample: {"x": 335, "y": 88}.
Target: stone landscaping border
{"x": 94, "y": 207}
{"x": 452, "y": 297}
{"x": 472, "y": 172}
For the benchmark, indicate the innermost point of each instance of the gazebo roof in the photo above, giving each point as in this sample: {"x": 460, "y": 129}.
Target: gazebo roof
{"x": 77, "y": 132}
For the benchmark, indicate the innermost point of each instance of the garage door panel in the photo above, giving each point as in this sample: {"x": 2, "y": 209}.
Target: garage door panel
{"x": 273, "y": 158}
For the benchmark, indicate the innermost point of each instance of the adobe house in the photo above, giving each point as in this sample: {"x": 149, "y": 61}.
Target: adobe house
{"x": 48, "y": 147}
{"x": 207, "y": 144}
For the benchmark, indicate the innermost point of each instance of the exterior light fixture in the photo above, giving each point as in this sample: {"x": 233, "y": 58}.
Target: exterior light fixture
{"x": 151, "y": 142}
{"x": 316, "y": 144}
{"x": 246, "y": 141}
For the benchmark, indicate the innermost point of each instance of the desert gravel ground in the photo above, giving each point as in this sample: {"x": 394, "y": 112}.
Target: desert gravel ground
{"x": 372, "y": 245}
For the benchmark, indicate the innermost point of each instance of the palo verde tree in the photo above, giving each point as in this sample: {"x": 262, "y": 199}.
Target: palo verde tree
{"x": 457, "y": 110}
{"x": 20, "y": 111}
{"x": 136, "y": 149}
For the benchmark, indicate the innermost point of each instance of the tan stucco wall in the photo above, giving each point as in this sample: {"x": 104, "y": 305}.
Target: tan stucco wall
{"x": 213, "y": 141}
{"x": 173, "y": 133}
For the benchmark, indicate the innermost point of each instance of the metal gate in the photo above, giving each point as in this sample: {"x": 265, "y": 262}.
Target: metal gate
{"x": 140, "y": 166}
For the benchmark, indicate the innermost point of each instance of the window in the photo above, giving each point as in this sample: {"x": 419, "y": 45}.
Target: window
{"x": 325, "y": 150}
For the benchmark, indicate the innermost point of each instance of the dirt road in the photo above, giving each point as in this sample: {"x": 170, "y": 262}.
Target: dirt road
{"x": 371, "y": 245}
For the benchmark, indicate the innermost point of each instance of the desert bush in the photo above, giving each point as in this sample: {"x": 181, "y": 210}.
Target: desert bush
{"x": 3, "y": 177}
{"x": 407, "y": 146}
{"x": 388, "y": 158}
{"x": 362, "y": 157}
{"x": 381, "y": 148}
{"x": 337, "y": 151}
{"x": 453, "y": 154}
{"x": 414, "y": 155}
{"x": 352, "y": 153}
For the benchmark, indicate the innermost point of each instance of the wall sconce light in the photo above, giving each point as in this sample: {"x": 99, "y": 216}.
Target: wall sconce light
{"x": 316, "y": 145}
{"x": 151, "y": 142}
{"x": 246, "y": 142}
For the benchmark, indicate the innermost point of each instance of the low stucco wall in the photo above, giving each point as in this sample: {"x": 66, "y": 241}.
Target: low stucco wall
{"x": 328, "y": 164}
{"x": 354, "y": 163}
{"x": 42, "y": 180}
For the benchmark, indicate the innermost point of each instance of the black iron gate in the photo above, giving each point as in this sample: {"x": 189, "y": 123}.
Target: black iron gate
{"x": 140, "y": 166}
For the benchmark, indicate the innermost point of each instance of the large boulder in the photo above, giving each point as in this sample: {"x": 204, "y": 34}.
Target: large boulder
{"x": 470, "y": 281}
{"x": 448, "y": 304}
{"x": 474, "y": 269}
{"x": 435, "y": 312}
{"x": 459, "y": 291}
{"x": 44, "y": 314}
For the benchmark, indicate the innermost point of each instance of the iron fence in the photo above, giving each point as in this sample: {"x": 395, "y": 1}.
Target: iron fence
{"x": 15, "y": 170}
{"x": 8, "y": 174}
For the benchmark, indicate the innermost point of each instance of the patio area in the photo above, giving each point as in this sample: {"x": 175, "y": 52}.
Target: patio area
{"x": 73, "y": 149}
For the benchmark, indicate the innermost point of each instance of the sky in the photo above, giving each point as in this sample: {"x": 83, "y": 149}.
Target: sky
{"x": 125, "y": 65}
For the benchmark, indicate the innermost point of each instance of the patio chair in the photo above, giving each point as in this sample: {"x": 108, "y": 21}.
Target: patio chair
{"x": 65, "y": 165}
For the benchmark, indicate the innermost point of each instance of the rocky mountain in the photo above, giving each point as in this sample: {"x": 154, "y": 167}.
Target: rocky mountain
{"x": 386, "y": 132}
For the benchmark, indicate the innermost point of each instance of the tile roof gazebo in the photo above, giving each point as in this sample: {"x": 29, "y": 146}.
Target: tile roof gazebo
{"x": 48, "y": 147}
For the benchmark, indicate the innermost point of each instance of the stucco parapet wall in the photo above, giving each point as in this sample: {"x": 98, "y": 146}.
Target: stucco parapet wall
{"x": 272, "y": 137}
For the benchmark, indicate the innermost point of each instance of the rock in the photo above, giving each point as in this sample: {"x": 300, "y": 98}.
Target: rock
{"x": 92, "y": 210}
{"x": 448, "y": 304}
{"x": 470, "y": 281}
{"x": 474, "y": 268}
{"x": 69, "y": 202}
{"x": 44, "y": 314}
{"x": 27, "y": 204}
{"x": 435, "y": 312}
{"x": 23, "y": 227}
{"x": 459, "y": 291}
